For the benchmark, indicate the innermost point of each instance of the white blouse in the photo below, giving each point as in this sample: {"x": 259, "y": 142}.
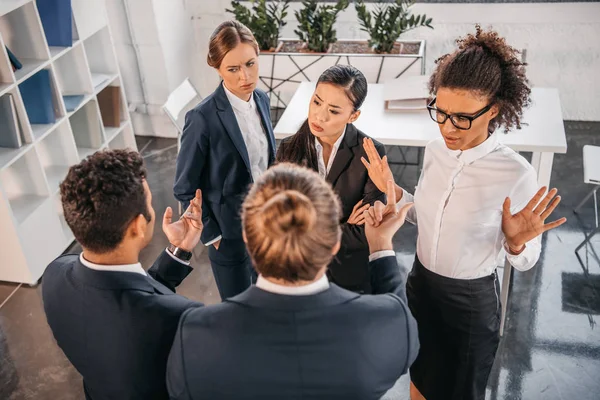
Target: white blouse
{"x": 458, "y": 208}
{"x": 255, "y": 138}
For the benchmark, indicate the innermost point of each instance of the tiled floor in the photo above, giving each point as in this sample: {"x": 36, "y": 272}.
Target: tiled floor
{"x": 550, "y": 350}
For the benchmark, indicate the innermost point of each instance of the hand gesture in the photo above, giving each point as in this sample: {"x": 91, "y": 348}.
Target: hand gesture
{"x": 357, "y": 217}
{"x": 383, "y": 221}
{"x": 528, "y": 223}
{"x": 185, "y": 232}
{"x": 377, "y": 167}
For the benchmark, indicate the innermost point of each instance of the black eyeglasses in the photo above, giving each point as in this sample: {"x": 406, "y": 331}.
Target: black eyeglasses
{"x": 460, "y": 121}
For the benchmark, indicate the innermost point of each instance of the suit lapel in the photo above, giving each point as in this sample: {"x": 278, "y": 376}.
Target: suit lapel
{"x": 266, "y": 122}
{"x": 227, "y": 117}
{"x": 344, "y": 155}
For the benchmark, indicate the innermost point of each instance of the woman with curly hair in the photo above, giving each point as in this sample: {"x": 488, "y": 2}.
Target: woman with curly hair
{"x": 475, "y": 199}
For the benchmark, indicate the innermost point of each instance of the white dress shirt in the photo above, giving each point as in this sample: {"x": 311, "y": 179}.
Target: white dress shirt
{"x": 458, "y": 208}
{"x": 324, "y": 170}
{"x": 318, "y": 286}
{"x": 133, "y": 268}
{"x": 255, "y": 138}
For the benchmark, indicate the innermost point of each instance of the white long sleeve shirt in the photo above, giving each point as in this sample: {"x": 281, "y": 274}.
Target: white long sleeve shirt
{"x": 458, "y": 208}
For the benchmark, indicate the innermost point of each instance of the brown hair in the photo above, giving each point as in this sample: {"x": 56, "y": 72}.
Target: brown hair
{"x": 291, "y": 222}
{"x": 486, "y": 64}
{"x": 225, "y": 38}
{"x": 102, "y": 195}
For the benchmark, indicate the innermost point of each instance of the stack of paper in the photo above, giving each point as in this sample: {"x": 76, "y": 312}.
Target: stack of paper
{"x": 406, "y": 93}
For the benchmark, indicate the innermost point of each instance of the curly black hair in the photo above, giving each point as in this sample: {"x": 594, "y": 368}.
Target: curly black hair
{"x": 102, "y": 195}
{"x": 486, "y": 64}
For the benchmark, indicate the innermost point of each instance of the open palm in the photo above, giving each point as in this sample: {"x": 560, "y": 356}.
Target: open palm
{"x": 185, "y": 232}
{"x": 528, "y": 223}
{"x": 378, "y": 168}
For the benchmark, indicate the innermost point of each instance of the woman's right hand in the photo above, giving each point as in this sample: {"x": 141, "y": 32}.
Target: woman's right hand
{"x": 378, "y": 168}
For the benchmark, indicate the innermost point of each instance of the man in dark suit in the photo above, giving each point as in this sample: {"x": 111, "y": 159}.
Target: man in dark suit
{"x": 300, "y": 340}
{"x": 114, "y": 321}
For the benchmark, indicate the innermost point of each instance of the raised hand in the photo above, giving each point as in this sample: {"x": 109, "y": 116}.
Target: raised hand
{"x": 185, "y": 232}
{"x": 377, "y": 167}
{"x": 357, "y": 217}
{"x": 383, "y": 221}
{"x": 528, "y": 223}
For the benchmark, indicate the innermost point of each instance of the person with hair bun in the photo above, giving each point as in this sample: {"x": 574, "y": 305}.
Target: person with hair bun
{"x": 476, "y": 199}
{"x": 227, "y": 143}
{"x": 294, "y": 334}
{"x": 330, "y": 144}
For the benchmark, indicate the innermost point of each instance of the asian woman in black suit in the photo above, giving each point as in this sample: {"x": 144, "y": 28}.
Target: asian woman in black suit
{"x": 227, "y": 144}
{"x": 330, "y": 144}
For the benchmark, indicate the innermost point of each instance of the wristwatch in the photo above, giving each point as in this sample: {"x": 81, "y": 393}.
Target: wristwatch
{"x": 183, "y": 255}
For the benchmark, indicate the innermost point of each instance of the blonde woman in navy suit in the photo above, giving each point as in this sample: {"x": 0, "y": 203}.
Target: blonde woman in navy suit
{"x": 227, "y": 144}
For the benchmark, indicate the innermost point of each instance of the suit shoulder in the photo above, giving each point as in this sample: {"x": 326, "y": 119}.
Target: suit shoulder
{"x": 386, "y": 305}
{"x": 361, "y": 135}
{"x": 65, "y": 260}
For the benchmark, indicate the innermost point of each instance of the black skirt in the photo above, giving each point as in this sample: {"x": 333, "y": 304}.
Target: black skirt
{"x": 459, "y": 322}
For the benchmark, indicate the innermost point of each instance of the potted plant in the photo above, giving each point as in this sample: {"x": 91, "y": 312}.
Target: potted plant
{"x": 316, "y": 22}
{"x": 304, "y": 59}
{"x": 264, "y": 20}
{"x": 387, "y": 22}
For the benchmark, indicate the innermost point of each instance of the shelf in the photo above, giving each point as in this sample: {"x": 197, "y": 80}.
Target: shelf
{"x": 90, "y": 16}
{"x": 8, "y": 156}
{"x": 57, "y": 52}
{"x": 123, "y": 139}
{"x": 22, "y": 33}
{"x": 101, "y": 81}
{"x": 61, "y": 217}
{"x": 30, "y": 67}
{"x": 85, "y": 100}
{"x": 100, "y": 54}
{"x": 111, "y": 132}
{"x": 4, "y": 87}
{"x": 87, "y": 129}
{"x": 6, "y": 74}
{"x": 57, "y": 152}
{"x": 41, "y": 130}
{"x": 24, "y": 184}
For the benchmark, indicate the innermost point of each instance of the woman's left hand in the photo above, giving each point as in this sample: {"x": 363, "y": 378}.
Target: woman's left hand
{"x": 528, "y": 223}
{"x": 357, "y": 217}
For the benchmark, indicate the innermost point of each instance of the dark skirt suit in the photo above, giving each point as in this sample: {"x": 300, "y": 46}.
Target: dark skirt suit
{"x": 350, "y": 180}
{"x": 214, "y": 158}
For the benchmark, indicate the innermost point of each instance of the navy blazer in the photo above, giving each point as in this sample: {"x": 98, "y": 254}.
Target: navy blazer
{"x": 332, "y": 345}
{"x": 213, "y": 157}
{"x": 350, "y": 180}
{"x": 116, "y": 328}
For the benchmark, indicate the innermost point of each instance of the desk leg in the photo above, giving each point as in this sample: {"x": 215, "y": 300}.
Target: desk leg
{"x": 504, "y": 293}
{"x": 542, "y": 163}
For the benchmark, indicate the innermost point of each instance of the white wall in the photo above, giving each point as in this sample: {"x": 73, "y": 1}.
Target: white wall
{"x": 561, "y": 39}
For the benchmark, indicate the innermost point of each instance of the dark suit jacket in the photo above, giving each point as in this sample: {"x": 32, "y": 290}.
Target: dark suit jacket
{"x": 116, "y": 328}
{"x": 351, "y": 182}
{"x": 332, "y": 345}
{"x": 214, "y": 158}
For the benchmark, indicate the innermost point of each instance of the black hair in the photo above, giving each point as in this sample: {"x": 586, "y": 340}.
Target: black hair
{"x": 486, "y": 64}
{"x": 301, "y": 147}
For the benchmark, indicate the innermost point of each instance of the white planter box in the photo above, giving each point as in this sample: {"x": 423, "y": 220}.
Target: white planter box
{"x": 280, "y": 73}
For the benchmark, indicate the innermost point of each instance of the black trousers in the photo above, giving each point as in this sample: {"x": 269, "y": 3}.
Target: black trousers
{"x": 231, "y": 267}
{"x": 459, "y": 322}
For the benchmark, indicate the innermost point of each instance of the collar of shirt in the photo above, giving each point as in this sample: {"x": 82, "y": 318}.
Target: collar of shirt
{"x": 135, "y": 268}
{"x": 238, "y": 104}
{"x": 477, "y": 152}
{"x": 336, "y": 146}
{"x": 312, "y": 288}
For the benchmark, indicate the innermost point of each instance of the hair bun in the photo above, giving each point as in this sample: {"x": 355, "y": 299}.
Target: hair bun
{"x": 493, "y": 43}
{"x": 287, "y": 212}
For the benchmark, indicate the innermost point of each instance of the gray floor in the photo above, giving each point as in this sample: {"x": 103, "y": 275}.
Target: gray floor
{"x": 551, "y": 348}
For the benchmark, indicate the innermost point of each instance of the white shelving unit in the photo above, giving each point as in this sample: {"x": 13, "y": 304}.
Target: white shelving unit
{"x": 33, "y": 230}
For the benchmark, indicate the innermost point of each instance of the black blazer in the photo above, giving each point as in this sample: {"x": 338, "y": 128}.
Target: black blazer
{"x": 213, "y": 157}
{"x": 350, "y": 180}
{"x": 332, "y": 345}
{"x": 116, "y": 328}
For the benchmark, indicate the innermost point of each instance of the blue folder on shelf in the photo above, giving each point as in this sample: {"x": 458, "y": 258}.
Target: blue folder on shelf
{"x": 37, "y": 97}
{"x": 13, "y": 59}
{"x": 56, "y": 18}
{"x": 72, "y": 101}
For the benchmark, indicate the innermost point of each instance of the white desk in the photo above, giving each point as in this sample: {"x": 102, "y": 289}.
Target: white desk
{"x": 542, "y": 133}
